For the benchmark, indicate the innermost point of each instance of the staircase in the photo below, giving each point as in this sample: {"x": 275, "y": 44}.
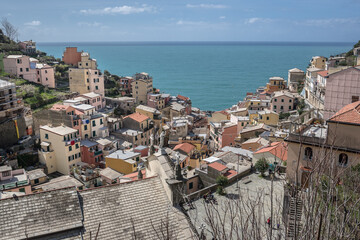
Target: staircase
{"x": 294, "y": 215}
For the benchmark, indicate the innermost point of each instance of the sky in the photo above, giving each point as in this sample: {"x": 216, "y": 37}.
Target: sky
{"x": 178, "y": 20}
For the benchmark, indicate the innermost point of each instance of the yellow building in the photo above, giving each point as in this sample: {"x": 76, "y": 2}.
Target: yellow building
{"x": 318, "y": 62}
{"x": 60, "y": 148}
{"x": 123, "y": 161}
{"x": 142, "y": 85}
{"x": 86, "y": 78}
{"x": 268, "y": 117}
{"x": 275, "y": 84}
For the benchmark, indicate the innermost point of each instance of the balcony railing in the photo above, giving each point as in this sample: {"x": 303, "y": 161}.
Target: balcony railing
{"x": 14, "y": 184}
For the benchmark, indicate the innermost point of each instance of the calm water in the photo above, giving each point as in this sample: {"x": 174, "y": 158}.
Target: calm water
{"x": 214, "y": 75}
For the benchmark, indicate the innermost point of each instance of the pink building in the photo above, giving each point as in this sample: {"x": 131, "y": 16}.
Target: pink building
{"x": 227, "y": 135}
{"x": 94, "y": 99}
{"x": 14, "y": 180}
{"x": 126, "y": 83}
{"x": 30, "y": 69}
{"x": 240, "y": 121}
{"x": 155, "y": 101}
{"x": 342, "y": 88}
{"x": 45, "y": 75}
{"x": 91, "y": 153}
{"x": 282, "y": 101}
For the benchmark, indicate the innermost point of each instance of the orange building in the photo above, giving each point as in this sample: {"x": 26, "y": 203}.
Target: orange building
{"x": 71, "y": 56}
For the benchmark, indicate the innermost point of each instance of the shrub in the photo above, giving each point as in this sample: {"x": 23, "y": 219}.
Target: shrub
{"x": 262, "y": 165}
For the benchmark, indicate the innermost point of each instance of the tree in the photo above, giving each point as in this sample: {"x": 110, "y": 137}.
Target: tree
{"x": 262, "y": 165}
{"x": 9, "y": 29}
{"x": 222, "y": 181}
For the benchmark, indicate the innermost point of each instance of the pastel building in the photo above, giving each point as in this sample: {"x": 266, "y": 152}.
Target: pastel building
{"x": 28, "y": 47}
{"x": 30, "y": 69}
{"x": 141, "y": 87}
{"x": 275, "y": 84}
{"x": 123, "y": 161}
{"x": 282, "y": 101}
{"x": 318, "y": 62}
{"x": 60, "y": 148}
{"x": 296, "y": 77}
{"x": 155, "y": 101}
{"x": 86, "y": 78}
{"x": 91, "y": 153}
{"x": 94, "y": 99}
{"x": 14, "y": 180}
{"x": 227, "y": 135}
{"x": 71, "y": 56}
{"x": 126, "y": 83}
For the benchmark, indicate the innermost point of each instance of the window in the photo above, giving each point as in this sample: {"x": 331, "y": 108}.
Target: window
{"x": 94, "y": 80}
{"x": 282, "y": 107}
{"x": 343, "y": 159}
{"x": 94, "y": 133}
{"x": 36, "y": 181}
{"x": 6, "y": 174}
{"x": 135, "y": 138}
{"x": 242, "y": 124}
{"x": 46, "y": 136}
{"x": 20, "y": 69}
{"x": 191, "y": 185}
{"x": 289, "y": 107}
{"x": 282, "y": 100}
{"x": 45, "y": 71}
{"x": 86, "y": 135}
{"x": 274, "y": 106}
{"x": 275, "y": 100}
{"x": 101, "y": 121}
{"x": 88, "y": 88}
{"x": 260, "y": 116}
{"x": 290, "y": 100}
{"x": 267, "y": 118}
{"x": 96, "y": 87}
{"x": 70, "y": 148}
{"x": 137, "y": 159}
{"x": 22, "y": 190}
{"x": 87, "y": 64}
{"x": 47, "y": 79}
{"x": 69, "y": 158}
{"x": 93, "y": 123}
{"x": 27, "y": 69}
{"x": 85, "y": 127}
{"x": 77, "y": 146}
{"x": 308, "y": 153}
{"x": 354, "y": 99}
{"x": 87, "y": 80}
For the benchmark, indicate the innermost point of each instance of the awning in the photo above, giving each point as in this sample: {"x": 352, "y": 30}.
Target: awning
{"x": 45, "y": 144}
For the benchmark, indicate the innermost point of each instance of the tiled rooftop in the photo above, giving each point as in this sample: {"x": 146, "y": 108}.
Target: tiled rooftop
{"x": 137, "y": 117}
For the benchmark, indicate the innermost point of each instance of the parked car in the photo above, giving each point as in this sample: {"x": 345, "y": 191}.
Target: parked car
{"x": 24, "y": 139}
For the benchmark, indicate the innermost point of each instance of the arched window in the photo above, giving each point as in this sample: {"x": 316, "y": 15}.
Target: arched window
{"x": 343, "y": 159}
{"x": 308, "y": 153}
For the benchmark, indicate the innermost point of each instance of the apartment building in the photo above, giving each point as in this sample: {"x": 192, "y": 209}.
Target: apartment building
{"x": 10, "y": 105}
{"x": 318, "y": 62}
{"x": 86, "y": 78}
{"x": 91, "y": 153}
{"x": 296, "y": 77}
{"x": 123, "y": 161}
{"x": 155, "y": 101}
{"x": 30, "y": 69}
{"x": 14, "y": 180}
{"x": 94, "y": 99}
{"x": 282, "y": 101}
{"x": 275, "y": 84}
{"x": 71, "y": 56}
{"x": 60, "y": 148}
{"x": 141, "y": 86}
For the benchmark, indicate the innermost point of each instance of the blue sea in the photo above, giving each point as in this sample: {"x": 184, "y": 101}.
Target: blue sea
{"x": 215, "y": 75}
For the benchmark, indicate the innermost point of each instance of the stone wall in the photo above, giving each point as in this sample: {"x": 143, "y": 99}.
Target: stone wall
{"x": 8, "y": 132}
{"x": 55, "y": 118}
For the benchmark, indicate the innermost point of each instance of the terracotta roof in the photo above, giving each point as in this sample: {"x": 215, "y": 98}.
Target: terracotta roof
{"x": 183, "y": 98}
{"x": 278, "y": 149}
{"x": 223, "y": 112}
{"x": 230, "y": 173}
{"x": 137, "y": 117}
{"x": 58, "y": 107}
{"x": 348, "y": 114}
{"x": 185, "y": 147}
{"x": 323, "y": 73}
{"x": 217, "y": 166}
{"x": 134, "y": 176}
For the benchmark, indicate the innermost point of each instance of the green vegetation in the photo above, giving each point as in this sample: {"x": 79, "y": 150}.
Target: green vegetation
{"x": 222, "y": 182}
{"x": 27, "y": 160}
{"x": 283, "y": 115}
{"x": 262, "y": 165}
{"x": 301, "y": 106}
{"x": 351, "y": 52}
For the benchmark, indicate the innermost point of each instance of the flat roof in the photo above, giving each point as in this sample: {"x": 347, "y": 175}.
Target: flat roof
{"x": 91, "y": 95}
{"x": 88, "y": 143}
{"x": 211, "y": 159}
{"x": 122, "y": 154}
{"x": 35, "y": 174}
{"x": 83, "y": 107}
{"x": 148, "y": 109}
{"x": 60, "y": 130}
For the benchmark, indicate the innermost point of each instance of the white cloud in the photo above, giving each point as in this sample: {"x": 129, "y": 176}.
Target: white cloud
{"x": 190, "y": 23}
{"x": 328, "y": 22}
{"x": 222, "y": 17}
{"x": 258, "y": 20}
{"x": 204, "y": 5}
{"x": 89, "y": 24}
{"x": 125, "y": 10}
{"x": 33, "y": 23}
